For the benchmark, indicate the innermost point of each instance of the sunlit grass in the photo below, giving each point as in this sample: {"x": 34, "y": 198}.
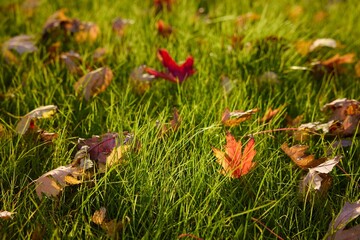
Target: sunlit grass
{"x": 172, "y": 185}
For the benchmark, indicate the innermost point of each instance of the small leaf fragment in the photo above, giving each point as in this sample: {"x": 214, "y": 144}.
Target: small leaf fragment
{"x": 298, "y": 155}
{"x": 236, "y": 117}
{"x": 6, "y": 215}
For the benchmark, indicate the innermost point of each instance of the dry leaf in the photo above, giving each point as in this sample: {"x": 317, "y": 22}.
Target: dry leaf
{"x": 246, "y": 18}
{"x": 295, "y": 12}
{"x": 40, "y": 112}
{"x": 164, "y": 30}
{"x": 6, "y": 215}
{"x": 94, "y": 82}
{"x": 323, "y": 42}
{"x": 140, "y": 80}
{"x": 320, "y": 16}
{"x": 315, "y": 176}
{"x": 20, "y": 44}
{"x": 332, "y": 65}
{"x": 54, "y": 181}
{"x": 357, "y": 69}
{"x": 236, "y": 117}
{"x": 339, "y": 108}
{"x": 298, "y": 155}
{"x": 173, "y": 125}
{"x": 119, "y": 25}
{"x": 236, "y": 163}
{"x": 270, "y": 114}
{"x": 349, "y": 212}
{"x": 112, "y": 227}
{"x": 293, "y": 122}
{"x": 99, "y": 55}
{"x": 73, "y": 62}
{"x": 86, "y": 32}
{"x": 227, "y": 84}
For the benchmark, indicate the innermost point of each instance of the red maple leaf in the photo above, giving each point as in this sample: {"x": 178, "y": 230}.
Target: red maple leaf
{"x": 236, "y": 163}
{"x": 176, "y": 73}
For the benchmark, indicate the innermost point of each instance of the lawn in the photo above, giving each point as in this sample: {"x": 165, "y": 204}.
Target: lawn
{"x": 168, "y": 183}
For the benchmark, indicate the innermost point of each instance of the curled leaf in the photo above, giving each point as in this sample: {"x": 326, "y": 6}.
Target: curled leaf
{"x": 28, "y": 120}
{"x": 236, "y": 117}
{"x": 72, "y": 62}
{"x": 6, "y": 215}
{"x": 298, "y": 155}
{"x": 20, "y": 44}
{"x": 119, "y": 25}
{"x": 94, "y": 82}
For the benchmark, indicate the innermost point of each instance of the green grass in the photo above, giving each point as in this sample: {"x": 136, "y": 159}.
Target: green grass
{"x": 173, "y": 185}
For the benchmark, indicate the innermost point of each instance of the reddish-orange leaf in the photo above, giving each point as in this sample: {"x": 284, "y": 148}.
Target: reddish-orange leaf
{"x": 164, "y": 29}
{"x": 297, "y": 153}
{"x": 234, "y": 161}
{"x": 270, "y": 114}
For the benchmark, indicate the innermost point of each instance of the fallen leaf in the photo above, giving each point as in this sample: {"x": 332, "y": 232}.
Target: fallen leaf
{"x": 236, "y": 117}
{"x": 176, "y": 73}
{"x": 164, "y": 30}
{"x": 236, "y": 163}
{"x": 332, "y": 65}
{"x": 227, "y": 84}
{"x": 6, "y": 215}
{"x": 54, "y": 181}
{"x": 295, "y": 12}
{"x": 111, "y": 227}
{"x": 140, "y": 80}
{"x": 173, "y": 125}
{"x": 73, "y": 62}
{"x": 339, "y": 108}
{"x": 28, "y": 7}
{"x": 298, "y": 155}
{"x": 189, "y": 235}
{"x": 94, "y": 82}
{"x": 160, "y": 5}
{"x": 315, "y": 175}
{"x": 323, "y": 42}
{"x": 119, "y": 25}
{"x": 349, "y": 212}
{"x": 99, "y": 55}
{"x": 320, "y": 16}
{"x": 270, "y": 114}
{"x": 293, "y": 122}
{"x": 40, "y": 112}
{"x": 86, "y": 32}
{"x": 303, "y": 46}
{"x": 20, "y": 44}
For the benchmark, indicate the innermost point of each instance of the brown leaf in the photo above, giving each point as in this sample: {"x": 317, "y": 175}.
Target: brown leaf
{"x": 73, "y": 62}
{"x": 295, "y": 12}
{"x": 119, "y": 25}
{"x": 357, "y": 69}
{"x": 270, "y": 114}
{"x": 173, "y": 125}
{"x": 94, "y": 82}
{"x": 298, "y": 155}
{"x": 140, "y": 80}
{"x": 20, "y": 45}
{"x": 40, "y": 112}
{"x": 339, "y": 108}
{"x": 332, "y": 65}
{"x": 320, "y": 16}
{"x": 234, "y": 161}
{"x": 86, "y": 32}
{"x": 293, "y": 122}
{"x": 99, "y": 216}
{"x": 54, "y": 181}
{"x": 99, "y": 55}
{"x": 246, "y": 18}
{"x": 236, "y": 117}
{"x": 164, "y": 30}
{"x": 112, "y": 227}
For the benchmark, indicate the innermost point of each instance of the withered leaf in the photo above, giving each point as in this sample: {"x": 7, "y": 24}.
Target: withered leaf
{"x": 20, "y": 44}
{"x": 6, "y": 215}
{"x": 323, "y": 42}
{"x": 111, "y": 227}
{"x": 140, "y": 80}
{"x": 357, "y": 69}
{"x": 99, "y": 55}
{"x": 173, "y": 125}
{"x": 349, "y": 212}
{"x": 332, "y": 65}
{"x": 236, "y": 117}
{"x": 72, "y": 62}
{"x": 94, "y": 82}
{"x": 270, "y": 114}
{"x": 339, "y": 108}
{"x": 86, "y": 32}
{"x": 246, "y": 18}
{"x": 164, "y": 30}
{"x": 298, "y": 155}
{"x": 54, "y": 181}
{"x": 119, "y": 25}
{"x": 40, "y": 112}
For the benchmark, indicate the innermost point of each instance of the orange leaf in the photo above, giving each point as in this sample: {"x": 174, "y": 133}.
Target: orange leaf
{"x": 236, "y": 117}
{"x": 235, "y": 162}
{"x": 299, "y": 157}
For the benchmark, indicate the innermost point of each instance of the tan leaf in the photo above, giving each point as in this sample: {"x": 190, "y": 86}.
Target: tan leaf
{"x": 20, "y": 44}
{"x": 53, "y": 182}
{"x": 99, "y": 216}
{"x": 140, "y": 80}
{"x": 72, "y": 62}
{"x": 87, "y": 32}
{"x": 339, "y": 108}
{"x": 298, "y": 155}
{"x": 236, "y": 117}
{"x": 6, "y": 215}
{"x": 246, "y": 18}
{"x": 40, "y": 112}
{"x": 323, "y": 42}
{"x": 270, "y": 114}
{"x": 112, "y": 227}
{"x": 94, "y": 82}
{"x": 119, "y": 25}
{"x": 99, "y": 55}
{"x": 357, "y": 69}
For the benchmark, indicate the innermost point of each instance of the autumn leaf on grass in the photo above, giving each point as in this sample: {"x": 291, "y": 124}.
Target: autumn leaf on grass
{"x": 17, "y": 46}
{"x": 99, "y": 55}
{"x": 73, "y": 62}
{"x": 140, "y": 80}
{"x": 349, "y": 212}
{"x": 29, "y": 119}
{"x": 176, "y": 73}
{"x": 173, "y": 125}
{"x": 111, "y": 227}
{"x": 234, "y": 161}
{"x": 271, "y": 113}
{"x": 357, "y": 69}
{"x": 298, "y": 155}
{"x": 163, "y": 29}
{"x": 317, "y": 175}
{"x": 236, "y": 117}
{"x": 85, "y": 31}
{"x": 6, "y": 215}
{"x": 94, "y": 82}
{"x": 54, "y": 181}
{"x": 107, "y": 149}
{"x": 332, "y": 65}
{"x": 246, "y": 18}
{"x": 160, "y": 5}
{"x": 119, "y": 25}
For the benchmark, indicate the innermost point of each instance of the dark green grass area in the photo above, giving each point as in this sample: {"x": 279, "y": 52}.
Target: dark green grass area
{"x": 172, "y": 185}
